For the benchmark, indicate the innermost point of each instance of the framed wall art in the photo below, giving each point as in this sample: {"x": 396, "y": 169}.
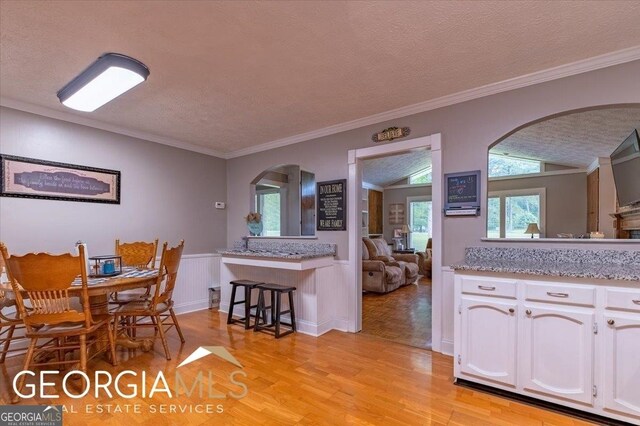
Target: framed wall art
{"x": 32, "y": 178}
{"x": 396, "y": 214}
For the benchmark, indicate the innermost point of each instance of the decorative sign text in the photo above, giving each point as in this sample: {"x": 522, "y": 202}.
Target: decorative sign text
{"x": 332, "y": 212}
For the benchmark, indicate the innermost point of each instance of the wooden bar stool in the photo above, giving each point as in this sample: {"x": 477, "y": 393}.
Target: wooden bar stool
{"x": 248, "y": 287}
{"x": 276, "y": 292}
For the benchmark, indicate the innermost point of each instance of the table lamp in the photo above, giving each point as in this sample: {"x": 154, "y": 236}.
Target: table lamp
{"x": 405, "y": 231}
{"x": 532, "y": 229}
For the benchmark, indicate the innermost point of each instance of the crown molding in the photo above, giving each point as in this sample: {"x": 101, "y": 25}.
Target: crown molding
{"x": 574, "y": 68}
{"x": 567, "y": 70}
{"x": 90, "y": 122}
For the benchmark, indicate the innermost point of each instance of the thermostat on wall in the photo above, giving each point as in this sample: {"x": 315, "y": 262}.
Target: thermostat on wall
{"x": 221, "y": 205}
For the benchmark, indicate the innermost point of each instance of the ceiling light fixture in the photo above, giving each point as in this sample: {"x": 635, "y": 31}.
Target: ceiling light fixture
{"x": 108, "y": 77}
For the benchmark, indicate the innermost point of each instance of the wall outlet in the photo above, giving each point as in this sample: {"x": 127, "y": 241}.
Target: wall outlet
{"x": 221, "y": 205}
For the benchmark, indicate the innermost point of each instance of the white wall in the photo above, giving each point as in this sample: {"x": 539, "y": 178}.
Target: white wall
{"x": 167, "y": 193}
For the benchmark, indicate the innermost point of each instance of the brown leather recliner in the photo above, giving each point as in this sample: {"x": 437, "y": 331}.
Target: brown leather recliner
{"x": 379, "y": 250}
{"x": 424, "y": 260}
{"x": 378, "y": 276}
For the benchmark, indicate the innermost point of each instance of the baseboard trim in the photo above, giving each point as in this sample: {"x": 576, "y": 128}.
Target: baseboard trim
{"x": 446, "y": 347}
{"x": 185, "y": 308}
{"x": 596, "y": 418}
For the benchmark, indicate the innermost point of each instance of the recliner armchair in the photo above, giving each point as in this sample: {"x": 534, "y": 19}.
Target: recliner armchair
{"x": 424, "y": 260}
{"x": 378, "y": 276}
{"x": 379, "y": 250}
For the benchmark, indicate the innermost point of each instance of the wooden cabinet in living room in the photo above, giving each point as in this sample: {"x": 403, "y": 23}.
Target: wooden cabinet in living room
{"x": 488, "y": 339}
{"x": 375, "y": 212}
{"x": 557, "y": 352}
{"x": 621, "y": 383}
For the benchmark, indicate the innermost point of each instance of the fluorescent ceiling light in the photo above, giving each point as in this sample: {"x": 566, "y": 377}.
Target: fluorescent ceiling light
{"x": 108, "y": 77}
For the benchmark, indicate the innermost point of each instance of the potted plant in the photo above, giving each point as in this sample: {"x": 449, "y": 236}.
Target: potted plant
{"x": 254, "y": 223}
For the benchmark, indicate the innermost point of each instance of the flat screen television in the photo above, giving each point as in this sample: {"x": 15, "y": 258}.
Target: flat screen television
{"x": 625, "y": 161}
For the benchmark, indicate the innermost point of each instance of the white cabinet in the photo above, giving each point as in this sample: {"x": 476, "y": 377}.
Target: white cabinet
{"x": 557, "y": 352}
{"x": 575, "y": 344}
{"x": 621, "y": 381}
{"x": 488, "y": 340}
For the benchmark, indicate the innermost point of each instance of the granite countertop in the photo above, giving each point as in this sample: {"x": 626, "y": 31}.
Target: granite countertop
{"x": 275, "y": 254}
{"x": 607, "y": 271}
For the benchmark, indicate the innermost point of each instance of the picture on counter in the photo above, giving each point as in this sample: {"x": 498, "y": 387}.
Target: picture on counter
{"x": 332, "y": 212}
{"x": 32, "y": 178}
{"x": 396, "y": 214}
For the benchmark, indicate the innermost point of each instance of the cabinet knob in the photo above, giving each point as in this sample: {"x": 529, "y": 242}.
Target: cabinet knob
{"x": 528, "y": 311}
{"x": 511, "y": 310}
{"x": 611, "y": 322}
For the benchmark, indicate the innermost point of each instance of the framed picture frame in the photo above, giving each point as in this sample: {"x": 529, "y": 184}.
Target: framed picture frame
{"x": 397, "y": 233}
{"x": 32, "y": 178}
{"x": 396, "y": 214}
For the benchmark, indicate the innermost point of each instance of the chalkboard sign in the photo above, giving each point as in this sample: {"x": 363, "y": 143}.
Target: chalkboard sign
{"x": 332, "y": 211}
{"x": 463, "y": 190}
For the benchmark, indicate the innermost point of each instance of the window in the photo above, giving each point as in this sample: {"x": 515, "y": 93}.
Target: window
{"x": 420, "y": 221}
{"x": 423, "y": 176}
{"x": 268, "y": 205}
{"x": 502, "y": 165}
{"x": 510, "y": 212}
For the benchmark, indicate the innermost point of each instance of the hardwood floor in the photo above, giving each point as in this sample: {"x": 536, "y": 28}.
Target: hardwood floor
{"x": 403, "y": 316}
{"x": 338, "y": 378}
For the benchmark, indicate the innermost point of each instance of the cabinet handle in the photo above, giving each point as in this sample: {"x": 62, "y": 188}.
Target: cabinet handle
{"x": 528, "y": 312}
{"x": 637, "y": 302}
{"x": 552, "y": 294}
{"x": 511, "y": 310}
{"x": 611, "y": 322}
{"x": 482, "y": 287}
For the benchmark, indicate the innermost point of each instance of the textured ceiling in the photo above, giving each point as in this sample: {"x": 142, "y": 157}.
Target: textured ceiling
{"x": 384, "y": 171}
{"x": 229, "y": 75}
{"x": 574, "y": 139}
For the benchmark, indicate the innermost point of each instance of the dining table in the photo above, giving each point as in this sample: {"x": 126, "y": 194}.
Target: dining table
{"x": 100, "y": 289}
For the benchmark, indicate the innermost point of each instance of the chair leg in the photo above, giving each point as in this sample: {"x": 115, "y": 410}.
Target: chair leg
{"x": 60, "y": 344}
{"x": 277, "y": 314}
{"x": 162, "y": 337}
{"x": 5, "y": 347}
{"x": 247, "y": 308}
{"x": 175, "y": 322}
{"x": 27, "y": 363}
{"x": 293, "y": 311}
{"x": 260, "y": 309}
{"x": 231, "y": 304}
{"x": 112, "y": 343}
{"x": 83, "y": 353}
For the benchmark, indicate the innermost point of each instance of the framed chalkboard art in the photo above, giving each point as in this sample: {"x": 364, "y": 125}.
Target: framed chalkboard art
{"x": 31, "y": 178}
{"x": 462, "y": 193}
{"x": 332, "y": 207}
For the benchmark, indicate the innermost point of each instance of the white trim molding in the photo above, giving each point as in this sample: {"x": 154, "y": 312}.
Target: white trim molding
{"x": 355, "y": 158}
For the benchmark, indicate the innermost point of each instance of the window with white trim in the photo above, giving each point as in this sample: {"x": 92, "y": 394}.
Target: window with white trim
{"x": 420, "y": 221}
{"x": 503, "y": 165}
{"x": 510, "y": 212}
{"x": 423, "y": 176}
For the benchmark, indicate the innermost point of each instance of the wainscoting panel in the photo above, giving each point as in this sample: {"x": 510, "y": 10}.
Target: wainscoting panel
{"x": 197, "y": 273}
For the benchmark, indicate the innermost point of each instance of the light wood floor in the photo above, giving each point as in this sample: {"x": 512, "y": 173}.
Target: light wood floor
{"x": 338, "y": 378}
{"x": 403, "y": 316}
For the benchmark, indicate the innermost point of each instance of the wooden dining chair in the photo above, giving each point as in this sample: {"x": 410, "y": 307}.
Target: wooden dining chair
{"x": 140, "y": 255}
{"x": 159, "y": 308}
{"x": 11, "y": 326}
{"x": 47, "y": 279}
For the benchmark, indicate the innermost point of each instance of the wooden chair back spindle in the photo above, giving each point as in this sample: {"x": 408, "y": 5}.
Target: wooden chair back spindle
{"x": 139, "y": 254}
{"x": 168, "y": 274}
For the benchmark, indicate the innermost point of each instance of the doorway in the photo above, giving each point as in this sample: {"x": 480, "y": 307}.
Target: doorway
{"x": 355, "y": 160}
{"x": 397, "y": 227}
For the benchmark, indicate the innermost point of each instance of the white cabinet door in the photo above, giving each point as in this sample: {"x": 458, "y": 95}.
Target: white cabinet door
{"x": 488, "y": 340}
{"x": 621, "y": 391}
{"x": 557, "y": 352}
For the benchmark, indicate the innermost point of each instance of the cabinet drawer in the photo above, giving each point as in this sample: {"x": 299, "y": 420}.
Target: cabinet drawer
{"x": 489, "y": 287}
{"x": 558, "y": 293}
{"x": 624, "y": 300}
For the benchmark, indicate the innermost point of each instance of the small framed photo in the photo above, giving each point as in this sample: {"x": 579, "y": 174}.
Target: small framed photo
{"x": 31, "y": 178}
{"x": 397, "y": 233}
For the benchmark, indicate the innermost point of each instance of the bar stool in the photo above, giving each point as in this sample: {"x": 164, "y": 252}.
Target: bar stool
{"x": 248, "y": 286}
{"x": 276, "y": 292}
